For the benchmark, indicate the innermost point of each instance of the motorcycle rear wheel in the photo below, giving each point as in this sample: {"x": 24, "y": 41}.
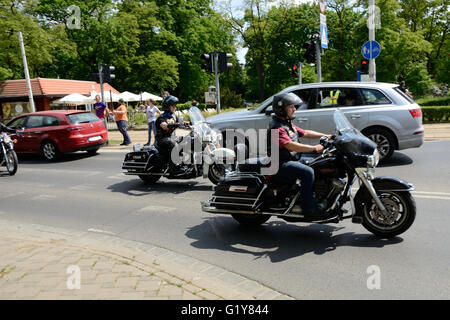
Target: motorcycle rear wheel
{"x": 11, "y": 162}
{"x": 217, "y": 171}
{"x": 149, "y": 179}
{"x": 401, "y": 209}
{"x": 250, "y": 219}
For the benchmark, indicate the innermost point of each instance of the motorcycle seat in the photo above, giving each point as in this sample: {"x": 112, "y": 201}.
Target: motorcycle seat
{"x": 254, "y": 164}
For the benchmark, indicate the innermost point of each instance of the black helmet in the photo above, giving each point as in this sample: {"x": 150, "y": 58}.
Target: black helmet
{"x": 169, "y": 101}
{"x": 280, "y": 101}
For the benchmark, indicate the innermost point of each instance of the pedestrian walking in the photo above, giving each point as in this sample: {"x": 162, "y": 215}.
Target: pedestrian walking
{"x": 151, "y": 119}
{"x": 120, "y": 116}
{"x": 101, "y": 110}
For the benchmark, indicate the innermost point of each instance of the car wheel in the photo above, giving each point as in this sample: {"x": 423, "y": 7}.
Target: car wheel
{"x": 93, "y": 151}
{"x": 384, "y": 139}
{"x": 50, "y": 151}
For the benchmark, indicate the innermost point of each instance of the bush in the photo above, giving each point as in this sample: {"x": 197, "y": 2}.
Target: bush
{"x": 434, "y": 101}
{"x": 436, "y": 113}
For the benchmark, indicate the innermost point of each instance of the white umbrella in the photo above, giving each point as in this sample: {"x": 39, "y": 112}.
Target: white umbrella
{"x": 75, "y": 99}
{"x": 147, "y": 96}
{"x": 129, "y": 96}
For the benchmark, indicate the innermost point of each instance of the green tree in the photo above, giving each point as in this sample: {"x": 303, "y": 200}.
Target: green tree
{"x": 39, "y": 42}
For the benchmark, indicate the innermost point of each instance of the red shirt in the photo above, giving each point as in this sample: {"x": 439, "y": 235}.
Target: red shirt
{"x": 284, "y": 138}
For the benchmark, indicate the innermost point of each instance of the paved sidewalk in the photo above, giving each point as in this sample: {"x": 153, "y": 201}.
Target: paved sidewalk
{"x": 40, "y": 262}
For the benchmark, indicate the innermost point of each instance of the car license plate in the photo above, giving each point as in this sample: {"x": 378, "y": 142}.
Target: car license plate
{"x": 96, "y": 138}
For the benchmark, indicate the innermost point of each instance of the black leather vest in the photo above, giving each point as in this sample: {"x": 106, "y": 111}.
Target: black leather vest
{"x": 165, "y": 117}
{"x": 284, "y": 154}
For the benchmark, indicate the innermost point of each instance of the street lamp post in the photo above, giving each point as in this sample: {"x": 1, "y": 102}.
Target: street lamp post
{"x": 27, "y": 75}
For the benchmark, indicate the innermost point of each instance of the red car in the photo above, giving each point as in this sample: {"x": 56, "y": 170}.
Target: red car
{"x": 53, "y": 133}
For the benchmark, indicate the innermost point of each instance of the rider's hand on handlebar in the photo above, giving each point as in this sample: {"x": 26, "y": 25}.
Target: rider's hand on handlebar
{"x": 319, "y": 148}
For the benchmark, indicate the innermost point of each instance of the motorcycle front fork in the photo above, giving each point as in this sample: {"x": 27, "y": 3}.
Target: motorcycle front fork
{"x": 366, "y": 178}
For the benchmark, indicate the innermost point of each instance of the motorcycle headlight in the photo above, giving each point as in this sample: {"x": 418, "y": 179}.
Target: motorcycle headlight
{"x": 6, "y": 139}
{"x": 372, "y": 161}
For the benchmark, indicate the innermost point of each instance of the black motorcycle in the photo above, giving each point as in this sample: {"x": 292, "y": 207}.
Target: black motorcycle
{"x": 8, "y": 156}
{"x": 383, "y": 205}
{"x": 200, "y": 156}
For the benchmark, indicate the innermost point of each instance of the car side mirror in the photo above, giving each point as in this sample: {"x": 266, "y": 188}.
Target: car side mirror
{"x": 269, "y": 111}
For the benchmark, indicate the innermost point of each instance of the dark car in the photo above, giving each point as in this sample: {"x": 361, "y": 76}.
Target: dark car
{"x": 52, "y": 133}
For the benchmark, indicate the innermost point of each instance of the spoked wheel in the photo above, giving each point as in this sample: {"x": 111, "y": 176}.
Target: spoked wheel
{"x": 384, "y": 140}
{"x": 11, "y": 162}
{"x": 250, "y": 219}
{"x": 50, "y": 151}
{"x": 150, "y": 179}
{"x": 401, "y": 212}
{"x": 217, "y": 171}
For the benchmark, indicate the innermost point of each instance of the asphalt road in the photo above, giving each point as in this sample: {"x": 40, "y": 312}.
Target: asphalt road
{"x": 306, "y": 261}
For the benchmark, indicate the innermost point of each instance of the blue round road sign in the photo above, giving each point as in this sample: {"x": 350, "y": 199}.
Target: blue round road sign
{"x": 371, "y": 49}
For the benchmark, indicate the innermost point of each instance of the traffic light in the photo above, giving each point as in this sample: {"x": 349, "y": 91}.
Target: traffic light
{"x": 364, "y": 66}
{"x": 224, "y": 65}
{"x": 107, "y": 75}
{"x": 294, "y": 71}
{"x": 310, "y": 53}
{"x": 208, "y": 62}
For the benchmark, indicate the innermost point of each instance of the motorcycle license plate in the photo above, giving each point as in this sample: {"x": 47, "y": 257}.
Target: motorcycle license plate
{"x": 96, "y": 138}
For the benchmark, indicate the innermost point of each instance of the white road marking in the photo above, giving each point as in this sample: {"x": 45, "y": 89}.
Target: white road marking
{"x": 101, "y": 231}
{"x": 44, "y": 197}
{"x": 431, "y": 195}
{"x": 157, "y": 209}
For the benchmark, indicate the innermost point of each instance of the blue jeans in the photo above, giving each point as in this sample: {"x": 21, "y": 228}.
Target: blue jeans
{"x": 122, "y": 126}
{"x": 293, "y": 170}
{"x": 151, "y": 128}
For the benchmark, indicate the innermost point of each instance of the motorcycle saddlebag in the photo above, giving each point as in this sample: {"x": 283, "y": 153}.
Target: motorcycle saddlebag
{"x": 238, "y": 191}
{"x": 141, "y": 161}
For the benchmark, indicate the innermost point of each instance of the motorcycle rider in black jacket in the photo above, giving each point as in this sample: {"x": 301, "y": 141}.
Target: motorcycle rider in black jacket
{"x": 165, "y": 126}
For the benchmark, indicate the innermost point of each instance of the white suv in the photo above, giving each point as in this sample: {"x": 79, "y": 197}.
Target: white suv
{"x": 381, "y": 111}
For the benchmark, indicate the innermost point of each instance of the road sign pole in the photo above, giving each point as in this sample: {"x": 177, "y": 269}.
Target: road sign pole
{"x": 216, "y": 73}
{"x": 300, "y": 72}
{"x": 372, "y": 66}
{"x": 318, "y": 60}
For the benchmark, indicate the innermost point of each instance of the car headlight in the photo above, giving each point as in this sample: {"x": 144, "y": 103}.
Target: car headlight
{"x": 372, "y": 161}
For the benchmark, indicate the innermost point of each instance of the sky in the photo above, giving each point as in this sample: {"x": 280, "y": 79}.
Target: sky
{"x": 238, "y": 9}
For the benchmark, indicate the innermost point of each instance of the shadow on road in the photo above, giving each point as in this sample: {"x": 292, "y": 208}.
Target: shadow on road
{"x": 278, "y": 239}
{"x": 397, "y": 159}
{"x": 136, "y": 187}
{"x": 67, "y": 157}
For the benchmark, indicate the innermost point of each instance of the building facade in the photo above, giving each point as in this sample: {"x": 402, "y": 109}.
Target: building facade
{"x": 14, "y": 94}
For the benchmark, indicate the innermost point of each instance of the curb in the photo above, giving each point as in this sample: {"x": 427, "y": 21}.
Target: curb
{"x": 214, "y": 283}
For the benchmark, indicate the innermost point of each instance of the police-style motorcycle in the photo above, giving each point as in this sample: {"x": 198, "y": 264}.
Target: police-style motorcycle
{"x": 384, "y": 205}
{"x": 198, "y": 153}
{"x": 8, "y": 156}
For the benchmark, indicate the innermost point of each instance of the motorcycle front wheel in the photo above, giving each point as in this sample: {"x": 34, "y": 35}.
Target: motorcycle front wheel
{"x": 401, "y": 212}
{"x": 11, "y": 162}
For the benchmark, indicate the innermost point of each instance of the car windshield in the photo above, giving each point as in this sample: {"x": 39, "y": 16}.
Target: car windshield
{"x": 85, "y": 117}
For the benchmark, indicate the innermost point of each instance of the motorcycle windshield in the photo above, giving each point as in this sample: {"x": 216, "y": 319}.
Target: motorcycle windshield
{"x": 350, "y": 139}
{"x": 198, "y": 120}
